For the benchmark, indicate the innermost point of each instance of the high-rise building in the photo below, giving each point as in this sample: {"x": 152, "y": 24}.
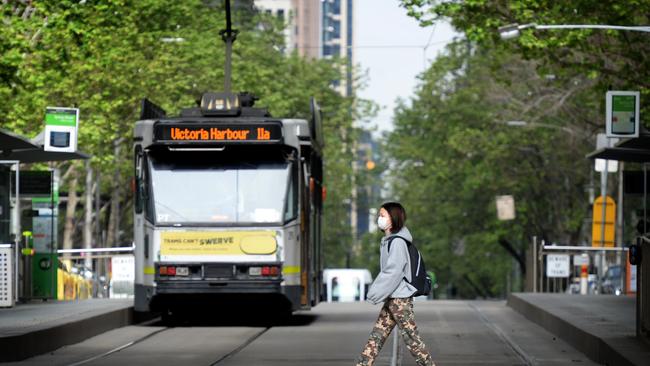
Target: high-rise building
{"x": 285, "y": 11}
{"x": 318, "y": 28}
{"x": 302, "y": 19}
{"x": 307, "y": 27}
{"x": 368, "y": 192}
{"x": 337, "y": 25}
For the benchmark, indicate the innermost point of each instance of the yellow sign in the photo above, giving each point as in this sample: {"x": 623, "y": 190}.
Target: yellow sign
{"x": 610, "y": 219}
{"x": 217, "y": 242}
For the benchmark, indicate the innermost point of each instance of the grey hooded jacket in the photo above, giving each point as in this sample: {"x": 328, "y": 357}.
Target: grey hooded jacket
{"x": 395, "y": 267}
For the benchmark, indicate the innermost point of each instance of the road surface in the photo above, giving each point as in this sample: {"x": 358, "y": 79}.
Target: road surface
{"x": 457, "y": 333}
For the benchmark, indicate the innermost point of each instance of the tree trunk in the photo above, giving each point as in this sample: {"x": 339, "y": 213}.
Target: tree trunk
{"x": 70, "y": 208}
{"x": 88, "y": 212}
{"x": 112, "y": 235}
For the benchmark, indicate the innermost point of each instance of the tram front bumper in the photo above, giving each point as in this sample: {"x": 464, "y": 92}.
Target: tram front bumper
{"x": 204, "y": 294}
{"x": 218, "y": 287}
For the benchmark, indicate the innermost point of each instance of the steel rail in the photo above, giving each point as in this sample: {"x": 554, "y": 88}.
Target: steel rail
{"x": 241, "y": 347}
{"x": 575, "y": 248}
{"x": 96, "y": 250}
{"x": 120, "y": 348}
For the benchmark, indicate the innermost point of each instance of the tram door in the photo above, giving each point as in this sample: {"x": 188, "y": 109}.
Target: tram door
{"x": 305, "y": 239}
{"x": 316, "y": 194}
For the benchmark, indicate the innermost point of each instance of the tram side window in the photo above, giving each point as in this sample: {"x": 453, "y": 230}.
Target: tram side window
{"x": 142, "y": 201}
{"x": 147, "y": 195}
{"x": 291, "y": 206}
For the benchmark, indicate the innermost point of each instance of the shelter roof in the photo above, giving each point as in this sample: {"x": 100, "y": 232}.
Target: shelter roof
{"x": 635, "y": 150}
{"x": 16, "y": 147}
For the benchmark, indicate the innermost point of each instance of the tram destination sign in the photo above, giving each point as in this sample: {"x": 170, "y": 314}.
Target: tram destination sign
{"x": 207, "y": 132}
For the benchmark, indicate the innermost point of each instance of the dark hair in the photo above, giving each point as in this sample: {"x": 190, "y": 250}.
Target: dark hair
{"x": 397, "y": 215}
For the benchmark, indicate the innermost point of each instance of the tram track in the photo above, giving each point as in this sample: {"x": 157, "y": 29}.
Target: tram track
{"x": 139, "y": 340}
{"x": 124, "y": 346}
{"x": 241, "y": 347}
{"x": 504, "y": 338}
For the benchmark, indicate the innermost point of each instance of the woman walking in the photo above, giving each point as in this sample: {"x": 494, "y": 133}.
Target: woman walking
{"x": 391, "y": 288}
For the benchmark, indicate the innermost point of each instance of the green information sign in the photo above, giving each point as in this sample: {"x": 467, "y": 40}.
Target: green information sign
{"x": 61, "y": 117}
{"x": 622, "y": 114}
{"x": 623, "y": 103}
{"x": 61, "y": 129}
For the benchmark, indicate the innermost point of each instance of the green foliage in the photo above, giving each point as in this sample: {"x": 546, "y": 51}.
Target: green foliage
{"x": 553, "y": 79}
{"x": 105, "y": 56}
{"x": 616, "y": 60}
{"x": 452, "y": 152}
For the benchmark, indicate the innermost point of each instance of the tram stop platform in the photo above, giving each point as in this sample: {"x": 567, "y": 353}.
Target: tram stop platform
{"x": 35, "y": 328}
{"x": 602, "y": 327}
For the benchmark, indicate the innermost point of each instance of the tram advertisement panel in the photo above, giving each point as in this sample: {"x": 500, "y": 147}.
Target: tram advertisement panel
{"x": 260, "y": 242}
{"x": 207, "y": 132}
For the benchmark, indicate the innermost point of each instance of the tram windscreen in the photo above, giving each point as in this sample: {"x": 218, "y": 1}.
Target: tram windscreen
{"x": 239, "y": 193}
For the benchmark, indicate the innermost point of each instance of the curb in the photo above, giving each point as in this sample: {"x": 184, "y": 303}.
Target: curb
{"x": 20, "y": 347}
{"x": 594, "y": 347}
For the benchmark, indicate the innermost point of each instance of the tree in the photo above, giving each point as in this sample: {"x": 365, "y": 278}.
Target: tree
{"x": 452, "y": 152}
{"x": 612, "y": 59}
{"x": 104, "y": 56}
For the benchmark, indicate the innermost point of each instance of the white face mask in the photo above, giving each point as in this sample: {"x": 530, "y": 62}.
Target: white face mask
{"x": 382, "y": 222}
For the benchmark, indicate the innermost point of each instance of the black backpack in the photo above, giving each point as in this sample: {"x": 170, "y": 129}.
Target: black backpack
{"x": 419, "y": 278}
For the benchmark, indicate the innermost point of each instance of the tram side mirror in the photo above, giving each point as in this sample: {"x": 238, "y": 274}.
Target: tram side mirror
{"x": 634, "y": 254}
{"x": 316, "y": 124}
{"x": 139, "y": 181}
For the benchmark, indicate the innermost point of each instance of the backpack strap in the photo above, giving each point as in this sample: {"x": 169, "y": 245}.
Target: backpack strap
{"x": 390, "y": 241}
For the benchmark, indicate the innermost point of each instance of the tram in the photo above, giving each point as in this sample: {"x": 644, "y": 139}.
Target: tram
{"x": 228, "y": 204}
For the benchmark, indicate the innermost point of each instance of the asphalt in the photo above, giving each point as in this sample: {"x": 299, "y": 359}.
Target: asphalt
{"x": 601, "y": 327}
{"x": 456, "y": 332}
{"x": 535, "y": 329}
{"x": 34, "y": 328}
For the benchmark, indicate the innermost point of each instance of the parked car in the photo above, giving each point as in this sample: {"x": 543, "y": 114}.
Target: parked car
{"x": 613, "y": 280}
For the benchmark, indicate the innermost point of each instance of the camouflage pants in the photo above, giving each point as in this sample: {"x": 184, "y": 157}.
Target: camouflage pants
{"x": 400, "y": 312}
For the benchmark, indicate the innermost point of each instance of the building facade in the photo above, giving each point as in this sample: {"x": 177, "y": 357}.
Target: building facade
{"x": 302, "y": 21}
{"x": 337, "y": 37}
{"x": 285, "y": 12}
{"x": 318, "y": 29}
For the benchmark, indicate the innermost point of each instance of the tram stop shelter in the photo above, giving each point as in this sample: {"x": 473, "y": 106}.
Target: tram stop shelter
{"x": 636, "y": 150}
{"x": 14, "y": 151}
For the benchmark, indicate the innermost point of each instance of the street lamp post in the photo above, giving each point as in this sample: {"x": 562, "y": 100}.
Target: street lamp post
{"x": 546, "y": 125}
{"x": 513, "y": 30}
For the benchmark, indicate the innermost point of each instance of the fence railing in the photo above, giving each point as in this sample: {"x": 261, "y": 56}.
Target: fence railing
{"x": 71, "y": 274}
{"x": 579, "y": 269}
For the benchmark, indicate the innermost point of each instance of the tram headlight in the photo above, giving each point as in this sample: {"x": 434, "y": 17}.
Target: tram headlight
{"x": 215, "y": 104}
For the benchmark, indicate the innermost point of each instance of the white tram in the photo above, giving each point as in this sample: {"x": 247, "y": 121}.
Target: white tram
{"x": 228, "y": 206}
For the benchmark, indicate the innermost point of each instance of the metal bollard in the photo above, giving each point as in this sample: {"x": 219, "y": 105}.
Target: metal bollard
{"x": 393, "y": 360}
{"x": 584, "y": 285}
